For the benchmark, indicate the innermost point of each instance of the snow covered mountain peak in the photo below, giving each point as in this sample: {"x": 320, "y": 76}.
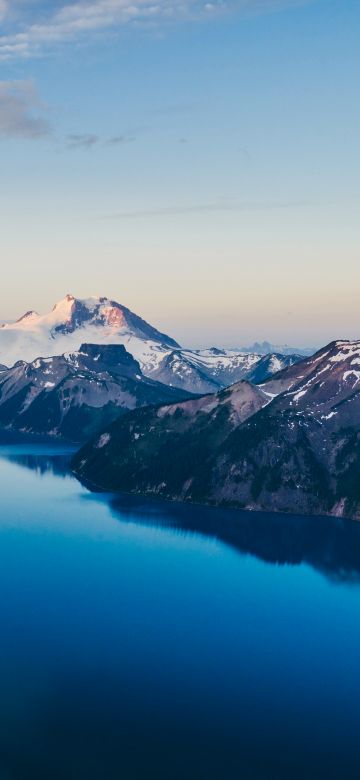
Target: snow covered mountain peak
{"x": 74, "y": 312}
{"x": 100, "y": 321}
{"x": 97, "y": 320}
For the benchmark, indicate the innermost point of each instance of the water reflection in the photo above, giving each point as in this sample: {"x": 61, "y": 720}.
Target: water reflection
{"x": 42, "y": 460}
{"x": 330, "y": 545}
{"x": 128, "y": 652}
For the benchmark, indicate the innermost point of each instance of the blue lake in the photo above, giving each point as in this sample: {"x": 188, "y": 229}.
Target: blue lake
{"x": 145, "y": 640}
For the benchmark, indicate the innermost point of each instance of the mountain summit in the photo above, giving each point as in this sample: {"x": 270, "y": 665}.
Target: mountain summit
{"x": 73, "y": 321}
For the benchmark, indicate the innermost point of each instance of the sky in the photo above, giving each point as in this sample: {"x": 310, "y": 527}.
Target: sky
{"x": 196, "y": 161}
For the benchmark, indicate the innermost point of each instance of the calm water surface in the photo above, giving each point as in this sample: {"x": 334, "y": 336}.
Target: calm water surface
{"x": 141, "y": 640}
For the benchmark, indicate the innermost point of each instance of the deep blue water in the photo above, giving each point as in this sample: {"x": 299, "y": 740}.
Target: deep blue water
{"x": 141, "y": 640}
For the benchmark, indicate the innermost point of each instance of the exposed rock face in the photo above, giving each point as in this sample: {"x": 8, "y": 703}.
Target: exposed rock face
{"x": 298, "y": 453}
{"x": 75, "y": 394}
{"x": 159, "y": 450}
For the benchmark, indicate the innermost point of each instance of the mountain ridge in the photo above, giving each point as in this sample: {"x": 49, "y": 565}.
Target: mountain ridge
{"x": 299, "y": 452}
{"x": 74, "y": 394}
{"x": 73, "y": 321}
{"x": 148, "y": 453}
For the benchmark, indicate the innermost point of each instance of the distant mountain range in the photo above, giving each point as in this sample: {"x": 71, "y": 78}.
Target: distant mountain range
{"x": 266, "y": 348}
{"x": 292, "y": 444}
{"x": 208, "y": 371}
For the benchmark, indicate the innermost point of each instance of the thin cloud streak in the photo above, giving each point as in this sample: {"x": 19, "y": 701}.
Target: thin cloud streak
{"x": 118, "y": 140}
{"x": 82, "y": 141}
{"x": 89, "y": 140}
{"x": 203, "y": 208}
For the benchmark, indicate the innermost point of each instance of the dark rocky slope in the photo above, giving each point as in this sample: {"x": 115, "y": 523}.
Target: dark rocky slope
{"x": 159, "y": 450}
{"x": 299, "y": 453}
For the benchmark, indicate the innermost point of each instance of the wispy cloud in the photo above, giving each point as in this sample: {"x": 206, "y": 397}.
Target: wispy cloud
{"x": 87, "y": 17}
{"x": 227, "y": 204}
{"x": 118, "y": 140}
{"x": 82, "y": 141}
{"x": 89, "y": 140}
{"x": 22, "y": 115}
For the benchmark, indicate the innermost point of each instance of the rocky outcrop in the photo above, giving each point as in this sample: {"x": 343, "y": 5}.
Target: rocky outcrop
{"x": 75, "y": 394}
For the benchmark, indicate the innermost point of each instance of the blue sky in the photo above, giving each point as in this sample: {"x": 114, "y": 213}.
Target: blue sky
{"x": 198, "y": 162}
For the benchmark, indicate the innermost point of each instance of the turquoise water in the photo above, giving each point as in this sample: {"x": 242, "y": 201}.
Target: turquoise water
{"x": 144, "y": 640}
